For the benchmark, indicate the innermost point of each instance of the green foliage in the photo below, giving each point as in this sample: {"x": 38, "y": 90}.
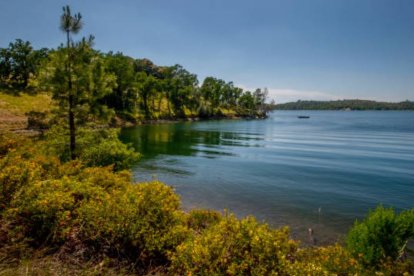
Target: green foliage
{"x": 383, "y": 234}
{"x": 124, "y": 96}
{"x": 89, "y": 78}
{"x": 204, "y": 110}
{"x": 78, "y": 79}
{"x": 235, "y": 247}
{"x": 92, "y": 85}
{"x": 103, "y": 148}
{"x": 19, "y": 62}
{"x": 96, "y": 147}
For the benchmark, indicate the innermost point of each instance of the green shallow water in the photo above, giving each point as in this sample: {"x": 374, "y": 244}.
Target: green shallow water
{"x": 321, "y": 173}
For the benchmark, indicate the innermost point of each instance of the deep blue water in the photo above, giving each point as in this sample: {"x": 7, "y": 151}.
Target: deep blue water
{"x": 322, "y": 173}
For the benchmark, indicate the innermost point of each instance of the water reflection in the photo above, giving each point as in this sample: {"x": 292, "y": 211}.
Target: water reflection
{"x": 183, "y": 139}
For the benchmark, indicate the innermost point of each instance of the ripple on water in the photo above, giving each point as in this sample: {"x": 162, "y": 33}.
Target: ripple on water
{"x": 321, "y": 173}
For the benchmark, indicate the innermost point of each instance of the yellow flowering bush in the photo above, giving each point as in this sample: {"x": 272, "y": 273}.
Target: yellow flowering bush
{"x": 45, "y": 210}
{"x": 17, "y": 170}
{"x": 235, "y": 247}
{"x": 142, "y": 221}
{"x": 329, "y": 260}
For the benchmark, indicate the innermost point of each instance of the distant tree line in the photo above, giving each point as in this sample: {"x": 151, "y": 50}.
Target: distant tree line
{"x": 139, "y": 89}
{"x": 344, "y": 105}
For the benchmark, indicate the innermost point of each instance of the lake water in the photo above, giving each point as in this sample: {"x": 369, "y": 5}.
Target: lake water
{"x": 321, "y": 173}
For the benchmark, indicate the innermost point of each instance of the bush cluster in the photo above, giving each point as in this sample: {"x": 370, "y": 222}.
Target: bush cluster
{"x": 382, "y": 236}
{"x": 95, "y": 147}
{"x": 96, "y": 214}
{"x": 232, "y": 247}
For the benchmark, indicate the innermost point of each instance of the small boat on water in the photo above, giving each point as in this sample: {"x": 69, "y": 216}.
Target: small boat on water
{"x": 303, "y": 117}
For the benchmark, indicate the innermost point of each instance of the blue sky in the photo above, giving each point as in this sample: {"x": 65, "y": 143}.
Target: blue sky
{"x": 298, "y": 49}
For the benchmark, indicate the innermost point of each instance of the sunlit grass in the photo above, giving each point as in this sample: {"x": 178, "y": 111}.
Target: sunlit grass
{"x": 24, "y": 103}
{"x": 14, "y": 107}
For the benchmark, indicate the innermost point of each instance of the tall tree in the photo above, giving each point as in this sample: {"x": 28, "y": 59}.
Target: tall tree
{"x": 148, "y": 86}
{"x": 79, "y": 79}
{"x": 21, "y": 53}
{"x": 125, "y": 95}
{"x": 70, "y": 24}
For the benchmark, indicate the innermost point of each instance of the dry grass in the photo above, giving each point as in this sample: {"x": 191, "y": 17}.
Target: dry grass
{"x": 14, "y": 107}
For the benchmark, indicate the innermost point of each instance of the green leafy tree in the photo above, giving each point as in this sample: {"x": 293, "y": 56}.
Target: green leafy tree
{"x": 212, "y": 89}
{"x": 19, "y": 62}
{"x": 247, "y": 101}
{"x": 21, "y": 54}
{"x": 182, "y": 85}
{"x": 70, "y": 24}
{"x": 78, "y": 77}
{"x": 148, "y": 86}
{"x": 125, "y": 94}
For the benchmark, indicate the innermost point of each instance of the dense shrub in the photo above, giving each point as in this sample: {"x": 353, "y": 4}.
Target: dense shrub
{"x": 382, "y": 235}
{"x": 143, "y": 221}
{"x": 96, "y": 147}
{"x": 110, "y": 151}
{"x": 17, "y": 170}
{"x": 46, "y": 210}
{"x": 235, "y": 247}
{"x": 14, "y": 173}
{"x": 329, "y": 260}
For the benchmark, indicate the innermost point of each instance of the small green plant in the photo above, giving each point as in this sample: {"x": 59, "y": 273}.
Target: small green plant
{"x": 382, "y": 235}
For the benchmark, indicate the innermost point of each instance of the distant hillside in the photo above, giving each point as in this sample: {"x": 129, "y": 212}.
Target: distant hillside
{"x": 344, "y": 105}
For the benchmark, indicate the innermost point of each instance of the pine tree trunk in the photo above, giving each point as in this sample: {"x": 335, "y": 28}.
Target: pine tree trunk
{"x": 72, "y": 128}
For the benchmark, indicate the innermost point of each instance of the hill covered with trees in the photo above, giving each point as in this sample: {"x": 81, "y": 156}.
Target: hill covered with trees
{"x": 344, "y": 105}
{"x": 134, "y": 90}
